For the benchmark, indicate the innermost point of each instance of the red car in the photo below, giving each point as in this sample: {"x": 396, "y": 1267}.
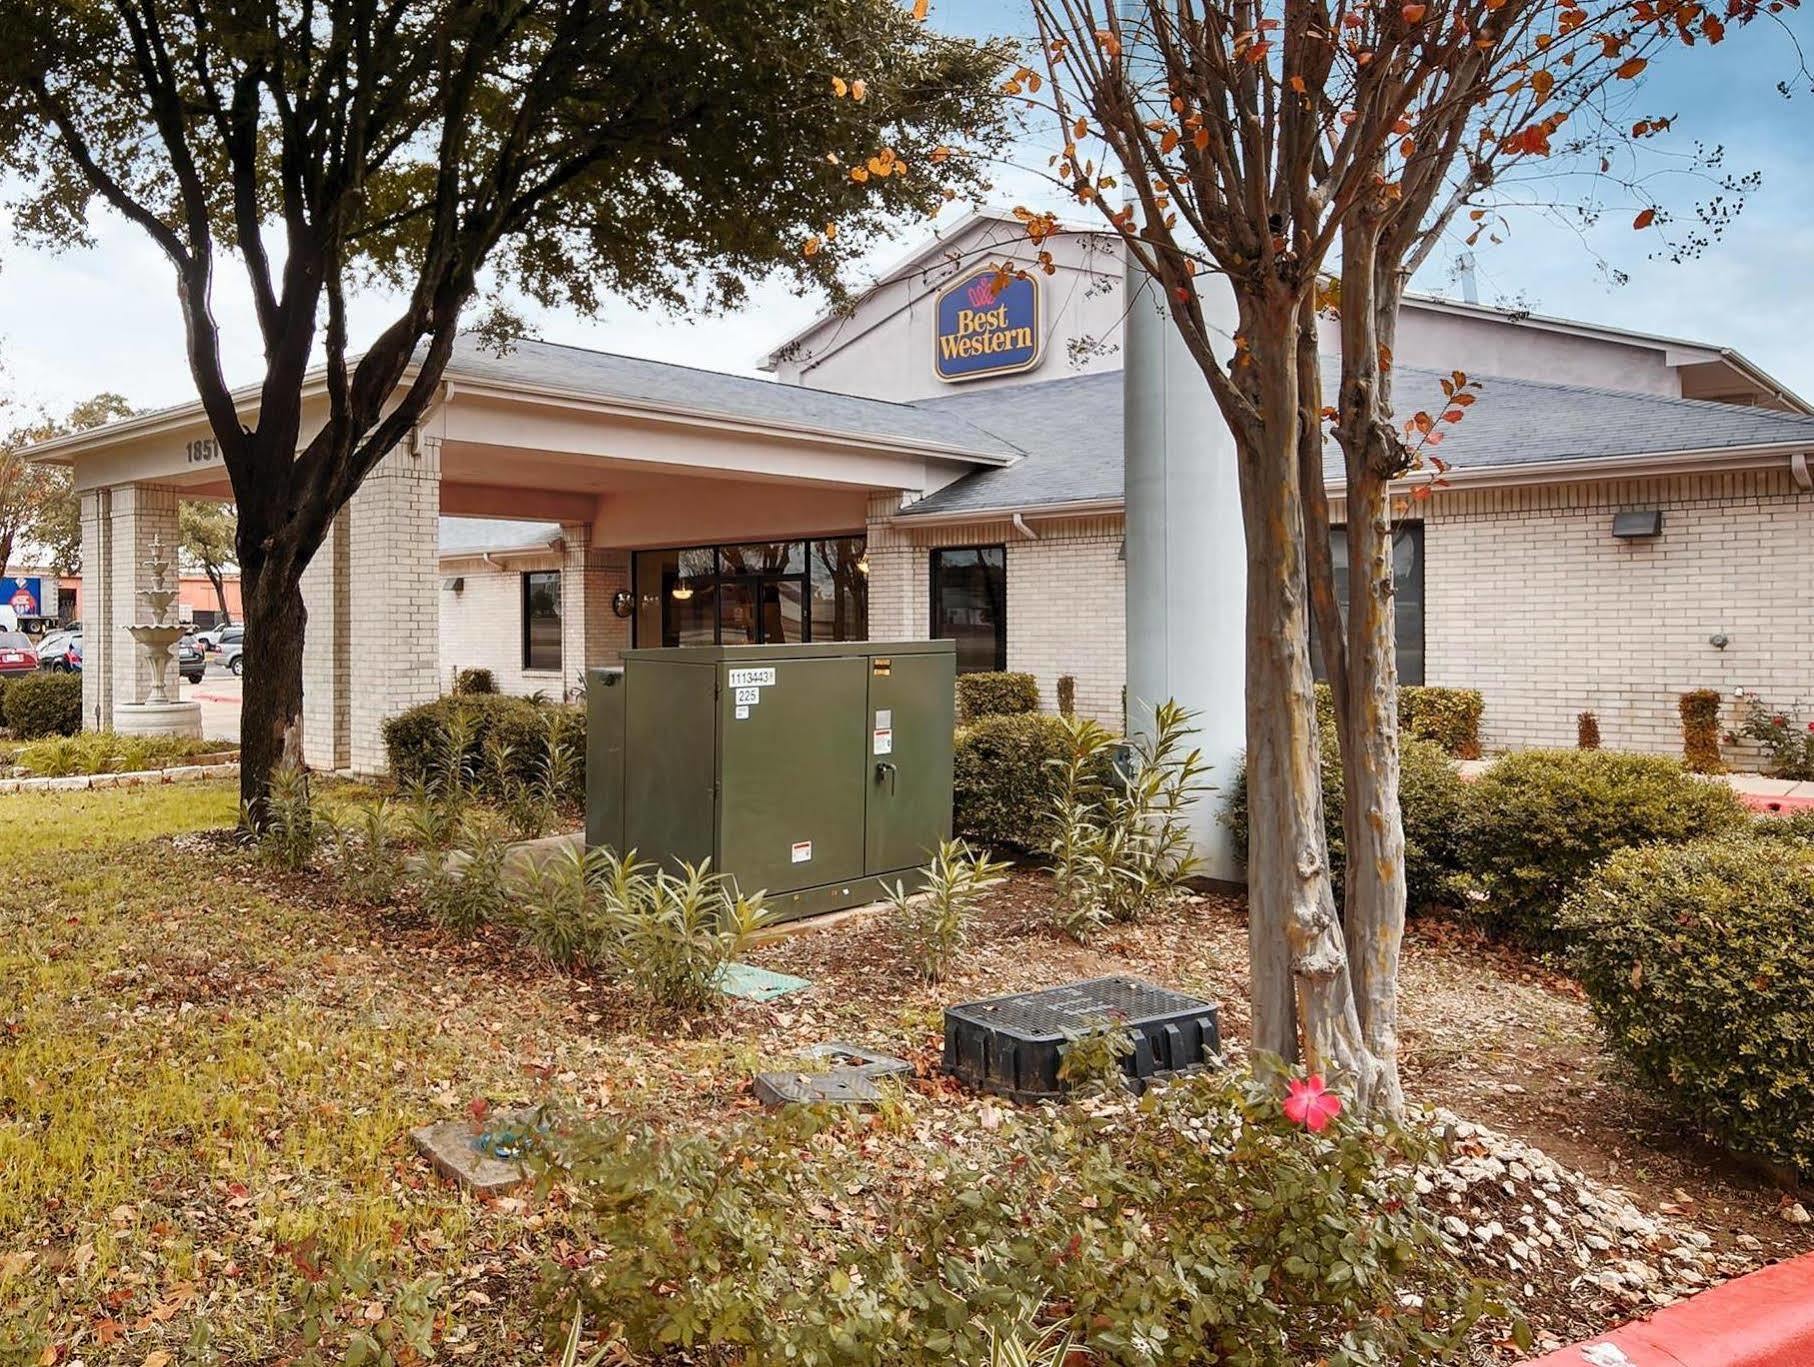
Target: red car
{"x": 16, "y": 653}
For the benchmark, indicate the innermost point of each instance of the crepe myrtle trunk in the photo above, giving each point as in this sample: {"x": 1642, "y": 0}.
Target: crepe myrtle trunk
{"x": 216, "y": 578}
{"x": 270, "y": 715}
{"x": 1297, "y": 945}
{"x": 1365, "y": 687}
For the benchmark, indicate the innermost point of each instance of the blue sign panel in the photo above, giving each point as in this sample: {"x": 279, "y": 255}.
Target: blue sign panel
{"x": 985, "y": 331}
{"x": 23, "y": 596}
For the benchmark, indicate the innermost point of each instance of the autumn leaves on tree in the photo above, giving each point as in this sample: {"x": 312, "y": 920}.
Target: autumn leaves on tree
{"x": 1306, "y": 157}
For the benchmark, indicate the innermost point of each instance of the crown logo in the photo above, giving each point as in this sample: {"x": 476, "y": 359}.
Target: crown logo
{"x": 982, "y": 292}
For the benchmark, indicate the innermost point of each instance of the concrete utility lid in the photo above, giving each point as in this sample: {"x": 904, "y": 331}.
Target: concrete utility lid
{"x": 851, "y": 1079}
{"x": 477, "y": 1155}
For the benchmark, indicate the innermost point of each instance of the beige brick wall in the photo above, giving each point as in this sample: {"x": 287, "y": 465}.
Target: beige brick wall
{"x": 481, "y": 627}
{"x": 1530, "y": 598}
{"x": 1066, "y": 598}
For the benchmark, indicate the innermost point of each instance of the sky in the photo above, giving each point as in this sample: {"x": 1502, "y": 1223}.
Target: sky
{"x": 82, "y": 320}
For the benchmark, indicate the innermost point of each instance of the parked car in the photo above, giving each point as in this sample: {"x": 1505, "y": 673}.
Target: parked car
{"x": 209, "y": 640}
{"x": 232, "y": 652}
{"x": 54, "y": 651}
{"x": 16, "y": 653}
{"x": 190, "y": 661}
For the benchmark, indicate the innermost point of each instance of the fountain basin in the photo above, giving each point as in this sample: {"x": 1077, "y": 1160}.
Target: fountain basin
{"x": 158, "y": 719}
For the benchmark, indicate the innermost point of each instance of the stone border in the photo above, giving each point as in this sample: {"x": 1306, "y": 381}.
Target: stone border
{"x": 138, "y": 778}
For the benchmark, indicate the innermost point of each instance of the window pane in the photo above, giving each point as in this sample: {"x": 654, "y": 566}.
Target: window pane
{"x": 781, "y": 603}
{"x": 1407, "y": 597}
{"x": 655, "y": 577}
{"x": 542, "y": 620}
{"x": 840, "y": 587}
{"x": 765, "y": 557}
{"x": 969, "y": 605}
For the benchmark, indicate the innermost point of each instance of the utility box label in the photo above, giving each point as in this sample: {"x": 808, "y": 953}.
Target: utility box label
{"x": 746, "y": 696}
{"x": 752, "y": 678}
{"x": 884, "y": 740}
{"x": 743, "y": 712}
{"x": 803, "y": 851}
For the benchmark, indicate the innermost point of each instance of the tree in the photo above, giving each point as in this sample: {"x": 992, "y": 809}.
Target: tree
{"x": 1249, "y": 142}
{"x": 208, "y": 531}
{"x": 38, "y": 504}
{"x": 664, "y": 151}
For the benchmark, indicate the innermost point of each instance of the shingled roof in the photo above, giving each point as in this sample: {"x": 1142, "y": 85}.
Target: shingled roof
{"x": 1072, "y": 433}
{"x": 662, "y": 385}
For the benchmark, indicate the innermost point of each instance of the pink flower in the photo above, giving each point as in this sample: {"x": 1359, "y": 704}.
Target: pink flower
{"x": 1310, "y": 1104}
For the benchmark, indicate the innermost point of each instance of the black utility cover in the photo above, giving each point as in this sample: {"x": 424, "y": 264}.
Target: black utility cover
{"x": 1012, "y": 1045}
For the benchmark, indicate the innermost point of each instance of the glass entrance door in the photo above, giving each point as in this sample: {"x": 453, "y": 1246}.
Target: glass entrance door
{"x": 761, "y": 609}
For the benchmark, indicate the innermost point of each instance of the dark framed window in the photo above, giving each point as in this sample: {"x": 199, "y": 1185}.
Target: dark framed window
{"x": 542, "y": 620}
{"x": 1407, "y": 595}
{"x": 970, "y": 604}
{"x": 753, "y": 593}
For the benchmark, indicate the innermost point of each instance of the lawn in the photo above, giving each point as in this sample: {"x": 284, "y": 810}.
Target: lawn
{"x": 208, "y": 1072}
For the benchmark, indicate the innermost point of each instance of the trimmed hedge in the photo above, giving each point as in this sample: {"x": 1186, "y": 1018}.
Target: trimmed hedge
{"x": 1006, "y": 779}
{"x": 1431, "y": 793}
{"x": 470, "y": 683}
{"x": 44, "y": 705}
{"x": 1448, "y": 717}
{"x": 995, "y": 695}
{"x": 1538, "y": 821}
{"x": 1700, "y": 713}
{"x": 1699, "y": 965}
{"x": 412, "y": 739}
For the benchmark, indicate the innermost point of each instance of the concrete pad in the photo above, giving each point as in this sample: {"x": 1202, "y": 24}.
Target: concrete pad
{"x": 453, "y": 1147}
{"x": 1759, "y": 786}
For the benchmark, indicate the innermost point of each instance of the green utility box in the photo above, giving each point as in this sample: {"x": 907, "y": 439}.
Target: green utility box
{"x": 814, "y": 773}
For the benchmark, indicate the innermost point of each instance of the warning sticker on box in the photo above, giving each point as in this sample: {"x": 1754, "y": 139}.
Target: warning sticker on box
{"x": 743, "y": 712}
{"x": 884, "y": 740}
{"x": 803, "y": 851}
{"x": 746, "y": 696}
{"x": 752, "y": 678}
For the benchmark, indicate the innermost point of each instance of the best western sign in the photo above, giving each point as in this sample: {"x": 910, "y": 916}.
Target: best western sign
{"x": 982, "y": 331}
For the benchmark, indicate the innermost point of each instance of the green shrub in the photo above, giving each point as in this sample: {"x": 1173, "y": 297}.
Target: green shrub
{"x": 1700, "y": 713}
{"x": 1699, "y": 964}
{"x": 1121, "y": 840}
{"x": 474, "y": 683}
{"x": 1006, "y": 780}
{"x": 1431, "y": 793}
{"x": 1786, "y": 740}
{"x": 933, "y": 922}
{"x": 44, "y": 705}
{"x": 1797, "y": 825}
{"x": 415, "y": 741}
{"x": 465, "y": 892}
{"x": 995, "y": 695}
{"x": 1446, "y": 717}
{"x": 1538, "y": 821}
{"x": 1197, "y": 1227}
{"x": 1449, "y": 717}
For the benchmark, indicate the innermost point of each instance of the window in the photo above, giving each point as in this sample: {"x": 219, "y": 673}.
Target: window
{"x": 753, "y": 593}
{"x": 970, "y": 605}
{"x": 1407, "y": 595}
{"x": 542, "y": 620}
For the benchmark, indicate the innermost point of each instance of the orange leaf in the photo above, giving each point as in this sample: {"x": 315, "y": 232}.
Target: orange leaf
{"x": 1644, "y": 220}
{"x": 1414, "y": 13}
{"x": 1630, "y": 68}
{"x": 919, "y": 9}
{"x": 838, "y": 87}
{"x": 1297, "y": 84}
{"x": 859, "y": 91}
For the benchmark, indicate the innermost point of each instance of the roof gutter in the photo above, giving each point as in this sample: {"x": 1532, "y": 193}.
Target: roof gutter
{"x": 1013, "y": 514}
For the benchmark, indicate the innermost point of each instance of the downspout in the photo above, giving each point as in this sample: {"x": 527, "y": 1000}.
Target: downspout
{"x": 1020, "y": 525}
{"x": 493, "y": 561}
{"x": 1798, "y": 471}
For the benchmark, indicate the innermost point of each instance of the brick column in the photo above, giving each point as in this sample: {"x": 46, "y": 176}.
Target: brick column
{"x": 118, "y": 527}
{"x": 327, "y": 669}
{"x": 591, "y": 634}
{"x": 897, "y": 575}
{"x": 392, "y": 599}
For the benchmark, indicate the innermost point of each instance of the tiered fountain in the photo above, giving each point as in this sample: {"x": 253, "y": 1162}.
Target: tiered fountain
{"x": 157, "y": 714}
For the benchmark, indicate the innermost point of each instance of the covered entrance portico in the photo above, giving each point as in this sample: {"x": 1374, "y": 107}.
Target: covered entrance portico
{"x": 678, "y": 505}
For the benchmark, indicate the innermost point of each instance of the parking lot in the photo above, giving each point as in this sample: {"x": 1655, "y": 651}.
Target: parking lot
{"x": 219, "y": 694}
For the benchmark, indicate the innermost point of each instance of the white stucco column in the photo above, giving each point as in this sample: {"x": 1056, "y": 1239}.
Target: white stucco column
{"x": 327, "y": 667}
{"x": 1186, "y": 552}
{"x": 392, "y": 598}
{"x": 119, "y": 524}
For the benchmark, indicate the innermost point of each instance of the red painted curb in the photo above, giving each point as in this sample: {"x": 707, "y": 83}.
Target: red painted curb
{"x": 1765, "y": 1319}
{"x": 1757, "y": 802}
